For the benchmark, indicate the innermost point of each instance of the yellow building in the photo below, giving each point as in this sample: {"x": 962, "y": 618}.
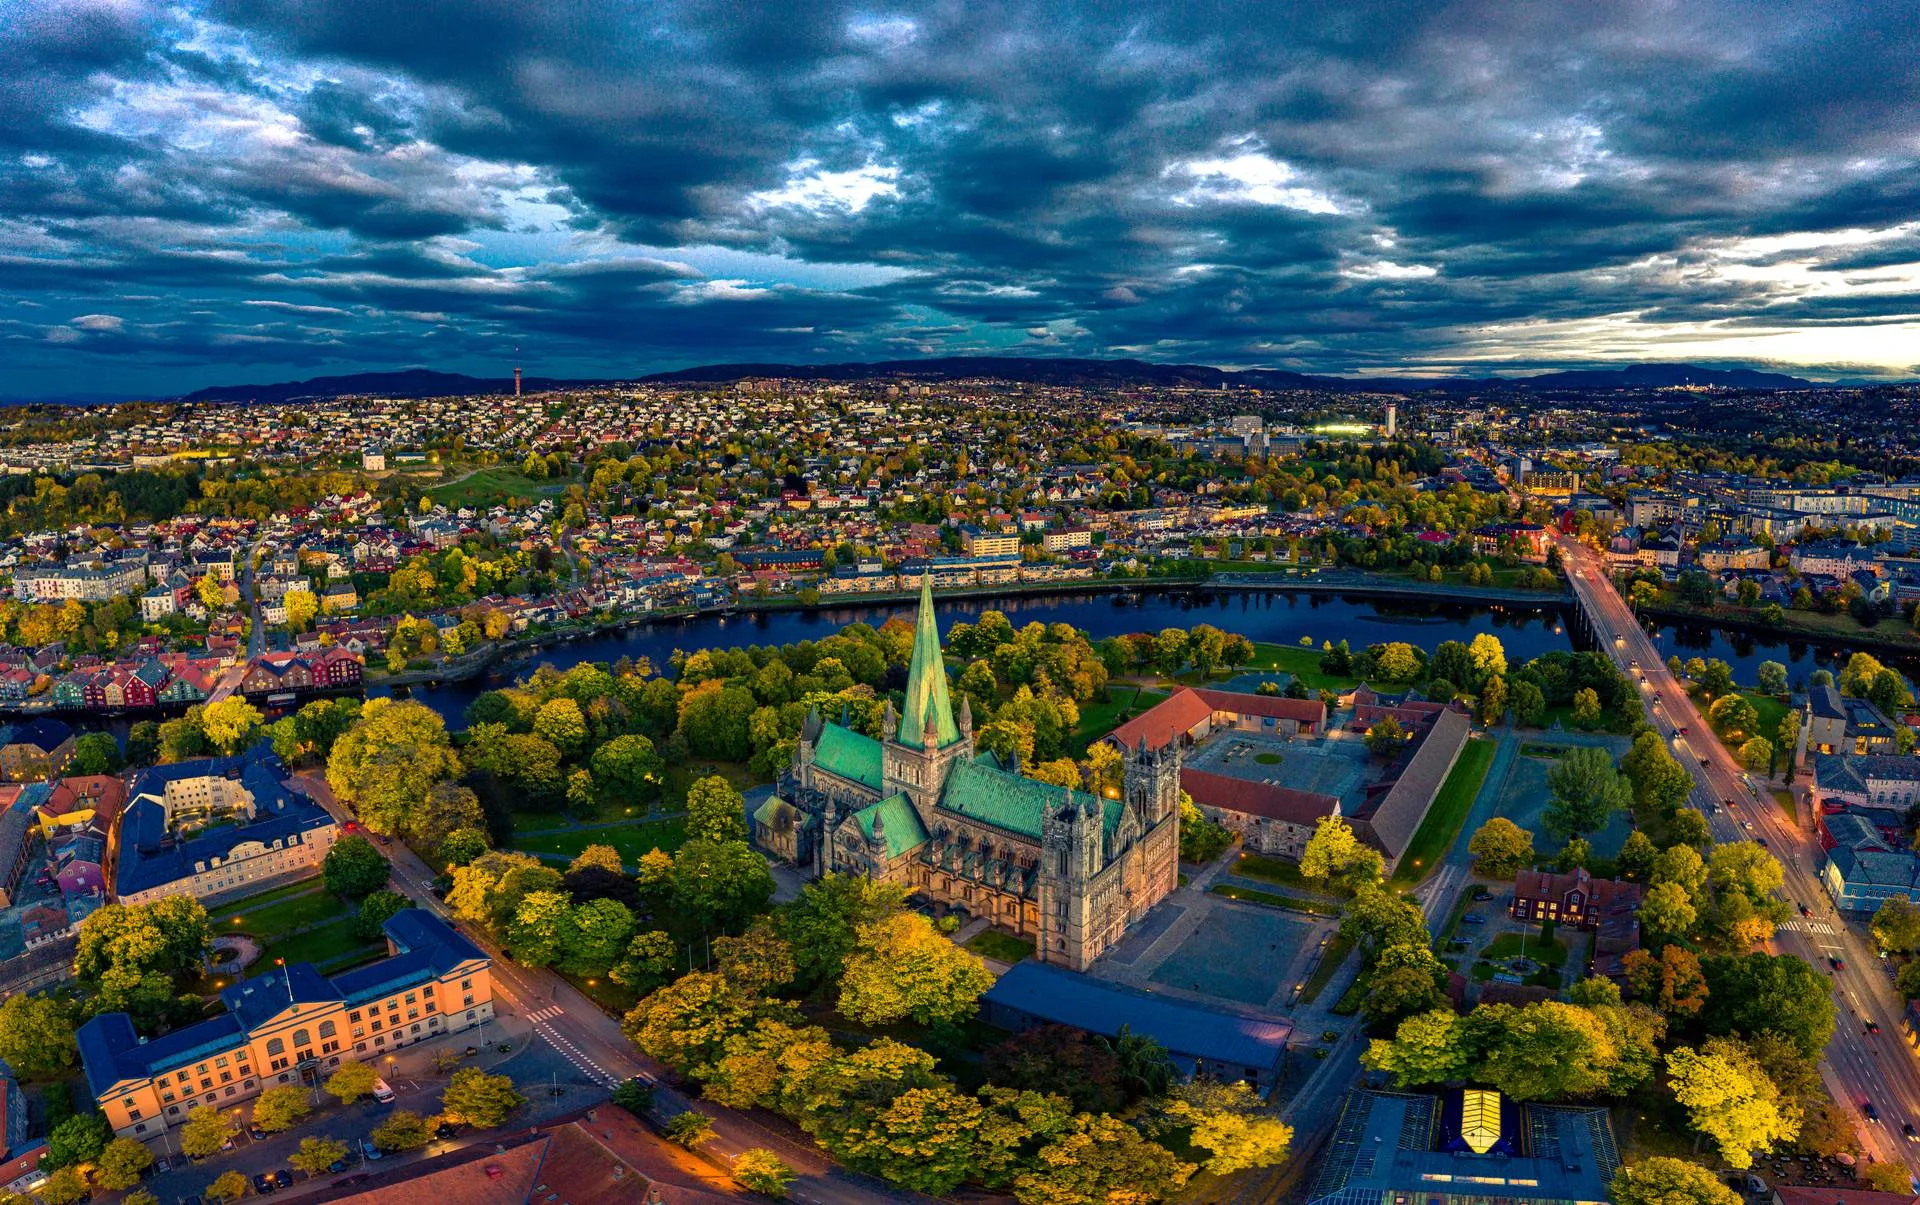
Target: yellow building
{"x": 291, "y": 1025}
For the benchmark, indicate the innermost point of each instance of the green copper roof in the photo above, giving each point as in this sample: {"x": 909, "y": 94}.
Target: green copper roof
{"x": 980, "y": 790}
{"x": 899, "y": 824}
{"x": 927, "y": 680}
{"x": 847, "y": 753}
{"x": 770, "y": 811}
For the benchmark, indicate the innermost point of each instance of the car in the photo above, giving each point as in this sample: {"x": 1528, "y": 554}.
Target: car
{"x": 1873, "y": 1027}
{"x": 1473, "y": 918}
{"x": 1913, "y": 1135}
{"x": 1682, "y": 730}
{"x": 256, "y": 1133}
{"x": 1805, "y": 911}
{"x": 338, "y": 1165}
{"x": 1481, "y": 893}
{"x": 382, "y": 1092}
{"x": 370, "y": 1151}
{"x": 264, "y": 1183}
{"x": 1872, "y": 1114}
{"x": 1836, "y": 962}
{"x": 1761, "y": 842}
{"x": 446, "y": 1129}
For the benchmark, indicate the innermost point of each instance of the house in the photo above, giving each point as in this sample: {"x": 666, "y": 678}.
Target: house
{"x": 1853, "y": 781}
{"x": 1575, "y": 898}
{"x": 1203, "y": 1041}
{"x": 1464, "y": 1147}
{"x": 35, "y": 751}
{"x": 288, "y": 1024}
{"x": 1269, "y": 819}
{"x": 1190, "y": 715}
{"x": 1860, "y": 879}
{"x": 1837, "y": 723}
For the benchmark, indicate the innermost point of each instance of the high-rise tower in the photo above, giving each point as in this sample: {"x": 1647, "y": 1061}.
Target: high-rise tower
{"x": 516, "y": 372}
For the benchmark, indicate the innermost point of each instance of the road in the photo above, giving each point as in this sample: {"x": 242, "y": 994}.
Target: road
{"x": 1860, "y": 1067}
{"x": 591, "y": 1041}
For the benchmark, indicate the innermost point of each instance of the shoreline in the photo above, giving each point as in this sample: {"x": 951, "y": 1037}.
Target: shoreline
{"x": 1863, "y": 639}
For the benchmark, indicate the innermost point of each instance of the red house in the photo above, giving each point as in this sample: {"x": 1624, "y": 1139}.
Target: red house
{"x": 1575, "y": 898}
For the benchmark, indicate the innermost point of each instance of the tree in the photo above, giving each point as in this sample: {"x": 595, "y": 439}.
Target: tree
{"x": 1886, "y": 1177}
{"x": 904, "y": 967}
{"x": 36, "y": 1035}
{"x": 479, "y": 1099}
{"x": 1489, "y": 657}
{"x": 1732, "y": 716}
{"x": 1757, "y": 755}
{"x": 594, "y": 936}
{"x": 1452, "y": 663}
{"x": 1386, "y": 737}
{"x": 231, "y": 723}
{"x": 1896, "y": 926}
{"x": 375, "y": 911}
{"x": 301, "y": 606}
{"x": 1586, "y": 792}
{"x": 1586, "y": 707}
{"x": 690, "y": 1129}
{"x": 1634, "y": 862}
{"x": 1528, "y": 703}
{"x": 760, "y": 961}
{"x": 1759, "y": 992}
{"x": 1378, "y": 918}
{"x": 760, "y": 1170}
{"x": 447, "y": 808}
{"x": 403, "y": 1130}
{"x": 1405, "y": 978}
{"x": 1730, "y": 1099}
{"x": 1335, "y": 854}
{"x": 1659, "y": 783}
{"x": 715, "y": 811}
{"x": 1550, "y": 1049}
{"x": 1667, "y": 912}
{"x": 1228, "y": 1121}
{"x": 1100, "y": 1160}
{"x": 1426, "y": 1048}
{"x": 354, "y": 867}
{"x": 536, "y": 931}
{"x": 462, "y": 846}
{"x": 1673, "y": 982}
{"x": 95, "y": 753}
{"x": 389, "y": 760}
{"x": 821, "y": 926}
{"x": 1715, "y": 678}
{"x": 1500, "y": 848}
{"x": 78, "y": 1139}
{"x": 281, "y": 1108}
{"x": 351, "y": 1082}
{"x": 316, "y": 1155}
{"x": 205, "y": 1132}
{"x": 120, "y": 1165}
{"x": 1772, "y": 677}
{"x": 1493, "y": 701}
{"x": 228, "y": 1186}
{"x": 649, "y": 961}
{"x": 720, "y": 883}
{"x": 143, "y": 743}
{"x": 66, "y": 1186}
{"x": 1661, "y": 1180}
{"x": 605, "y": 857}
{"x": 627, "y": 767}
{"x": 1689, "y": 827}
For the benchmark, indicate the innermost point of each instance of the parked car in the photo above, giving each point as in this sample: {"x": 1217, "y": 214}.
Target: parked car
{"x": 382, "y": 1092}
{"x": 370, "y": 1151}
{"x": 264, "y": 1183}
{"x": 1473, "y": 918}
{"x": 256, "y": 1133}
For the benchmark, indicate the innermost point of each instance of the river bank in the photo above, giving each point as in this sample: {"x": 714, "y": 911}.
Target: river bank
{"x": 1839, "y": 631}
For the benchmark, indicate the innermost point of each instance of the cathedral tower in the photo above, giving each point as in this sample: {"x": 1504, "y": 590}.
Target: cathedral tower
{"x": 928, "y": 741}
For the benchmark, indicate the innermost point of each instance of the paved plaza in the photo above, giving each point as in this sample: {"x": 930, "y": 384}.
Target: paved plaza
{"x": 1212, "y": 949}
{"x": 1524, "y": 794}
{"x": 1338, "y": 767}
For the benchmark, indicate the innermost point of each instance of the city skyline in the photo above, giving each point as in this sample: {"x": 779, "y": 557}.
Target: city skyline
{"x": 207, "y": 194}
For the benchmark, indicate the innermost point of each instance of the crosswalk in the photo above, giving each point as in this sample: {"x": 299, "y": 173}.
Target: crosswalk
{"x": 545, "y": 1014}
{"x": 1810, "y": 926}
{"x": 543, "y": 1024}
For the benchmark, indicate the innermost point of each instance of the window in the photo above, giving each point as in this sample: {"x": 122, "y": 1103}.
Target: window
{"x": 410, "y": 997}
{"x": 173, "y": 1110}
{"x": 221, "y": 1061}
{"x": 302, "y": 1037}
{"x": 230, "y": 1091}
{"x": 354, "y": 1015}
{"x": 206, "y": 1084}
{"x": 276, "y": 1046}
{"x": 133, "y": 1114}
{"x": 427, "y": 991}
{"x": 327, "y": 1029}
{"x": 466, "y": 985}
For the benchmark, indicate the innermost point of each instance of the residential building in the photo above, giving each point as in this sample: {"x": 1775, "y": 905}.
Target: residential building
{"x": 35, "y": 751}
{"x": 982, "y": 542}
{"x": 920, "y": 807}
{"x": 1837, "y": 723}
{"x": 1464, "y": 1147}
{"x": 1860, "y": 877}
{"x": 291, "y": 1025}
{"x": 1873, "y": 780}
{"x": 1203, "y": 1041}
{"x": 1576, "y": 898}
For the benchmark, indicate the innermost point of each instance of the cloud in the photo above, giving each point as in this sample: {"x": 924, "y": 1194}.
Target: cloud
{"x": 244, "y": 185}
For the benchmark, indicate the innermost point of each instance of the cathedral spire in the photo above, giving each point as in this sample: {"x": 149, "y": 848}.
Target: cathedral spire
{"x": 927, "y": 705}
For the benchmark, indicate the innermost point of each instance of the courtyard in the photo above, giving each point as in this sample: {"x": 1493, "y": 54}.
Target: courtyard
{"x": 1337, "y": 767}
{"x": 1215, "y": 949}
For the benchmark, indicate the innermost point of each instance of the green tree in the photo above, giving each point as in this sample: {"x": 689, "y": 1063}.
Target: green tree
{"x": 1230, "y": 1123}
{"x": 760, "y": 1170}
{"x": 375, "y": 911}
{"x": 354, "y": 867}
{"x": 121, "y": 1163}
{"x": 1667, "y": 912}
{"x": 715, "y": 811}
{"x": 316, "y": 1155}
{"x": 1772, "y": 677}
{"x": 535, "y": 933}
{"x": 628, "y": 768}
{"x": 95, "y": 753}
{"x": 479, "y": 1099}
{"x": 1887, "y": 1177}
{"x": 1099, "y": 1160}
{"x": 1661, "y": 1180}
{"x": 390, "y": 759}
{"x": 403, "y": 1130}
{"x": 462, "y": 846}
{"x": 205, "y": 1132}
{"x": 1528, "y": 703}
{"x": 1586, "y": 707}
{"x": 78, "y": 1139}
{"x": 1492, "y": 702}
{"x": 562, "y": 724}
{"x": 67, "y": 1186}
{"x": 36, "y": 1035}
{"x": 1386, "y": 737}
{"x": 594, "y": 937}
{"x": 1426, "y": 1048}
{"x": 1586, "y": 792}
{"x": 447, "y": 808}
{"x": 1757, "y": 755}
{"x": 281, "y": 1108}
{"x": 228, "y": 1186}
{"x": 648, "y": 962}
{"x": 1335, "y": 854}
{"x": 143, "y": 743}
{"x": 1659, "y": 783}
{"x": 720, "y": 883}
{"x": 351, "y": 1082}
{"x": 1757, "y": 993}
{"x": 1500, "y": 848}
{"x": 1715, "y": 678}
{"x": 1689, "y": 827}
{"x": 821, "y": 927}
{"x": 904, "y": 967}
{"x": 1896, "y": 926}
{"x": 1730, "y": 1099}
{"x": 690, "y": 1129}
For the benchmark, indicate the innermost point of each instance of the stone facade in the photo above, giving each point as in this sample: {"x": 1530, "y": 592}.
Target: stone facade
{"x": 921, "y": 807}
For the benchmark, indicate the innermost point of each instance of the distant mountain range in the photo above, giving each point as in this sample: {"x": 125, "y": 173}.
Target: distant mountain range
{"x": 1037, "y": 370}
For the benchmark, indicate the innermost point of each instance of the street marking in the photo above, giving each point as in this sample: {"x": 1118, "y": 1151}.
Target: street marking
{"x": 573, "y": 1054}
{"x": 1809, "y": 926}
{"x": 545, "y": 1014}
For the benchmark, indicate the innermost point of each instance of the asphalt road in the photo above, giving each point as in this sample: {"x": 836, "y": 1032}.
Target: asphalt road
{"x": 1859, "y": 1067}
{"x": 592, "y": 1042}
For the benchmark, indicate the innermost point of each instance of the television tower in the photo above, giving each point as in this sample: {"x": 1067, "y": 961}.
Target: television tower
{"x": 516, "y": 370}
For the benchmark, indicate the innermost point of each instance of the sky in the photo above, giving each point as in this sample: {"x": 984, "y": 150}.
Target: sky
{"x": 230, "y": 191}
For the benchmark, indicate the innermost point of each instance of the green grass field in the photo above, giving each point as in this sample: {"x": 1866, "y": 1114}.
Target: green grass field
{"x": 268, "y": 921}
{"x": 1330, "y": 960}
{"x": 331, "y": 942}
{"x": 265, "y": 897}
{"x": 1102, "y": 716}
{"x": 1249, "y": 895}
{"x": 491, "y": 487}
{"x": 1300, "y": 661}
{"x": 1001, "y": 947}
{"x": 632, "y": 840}
{"x": 1441, "y": 828}
{"x": 1279, "y": 872}
{"x": 1510, "y": 945}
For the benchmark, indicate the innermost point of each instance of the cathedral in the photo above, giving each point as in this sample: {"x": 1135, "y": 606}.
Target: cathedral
{"x": 1067, "y": 870}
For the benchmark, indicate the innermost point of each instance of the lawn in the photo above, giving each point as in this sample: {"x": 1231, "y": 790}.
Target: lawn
{"x": 1248, "y": 895}
{"x": 329, "y": 943}
{"x": 632, "y": 840}
{"x": 1770, "y": 710}
{"x": 246, "y": 903}
{"x": 1102, "y": 716}
{"x": 1544, "y": 951}
{"x": 1784, "y": 798}
{"x": 270, "y": 920}
{"x": 1300, "y": 661}
{"x": 1331, "y": 956}
{"x": 1001, "y": 947}
{"x": 1279, "y": 872}
{"x": 1441, "y": 828}
{"x": 1267, "y": 759}
{"x": 491, "y": 487}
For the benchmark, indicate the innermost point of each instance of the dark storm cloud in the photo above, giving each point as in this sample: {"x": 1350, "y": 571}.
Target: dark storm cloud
{"x": 624, "y": 187}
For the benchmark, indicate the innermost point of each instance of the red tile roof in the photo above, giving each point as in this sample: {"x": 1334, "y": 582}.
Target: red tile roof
{"x": 1232, "y": 794}
{"x": 1173, "y": 717}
